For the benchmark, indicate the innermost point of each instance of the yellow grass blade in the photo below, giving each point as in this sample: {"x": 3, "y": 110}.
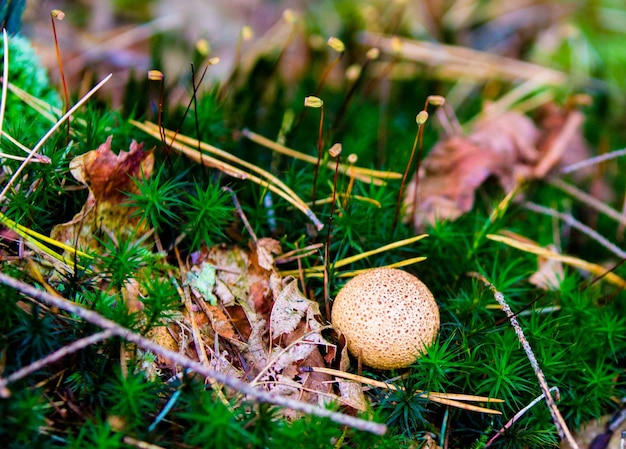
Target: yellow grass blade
{"x": 270, "y": 182}
{"x": 596, "y": 270}
{"x": 375, "y": 177}
{"x": 442, "y": 398}
{"x": 317, "y": 271}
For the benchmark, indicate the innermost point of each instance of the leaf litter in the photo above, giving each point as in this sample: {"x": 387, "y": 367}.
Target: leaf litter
{"x": 241, "y": 318}
{"x": 507, "y": 146}
{"x": 249, "y": 311}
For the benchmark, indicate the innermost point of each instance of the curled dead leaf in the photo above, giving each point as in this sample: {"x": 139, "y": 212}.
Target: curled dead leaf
{"x": 508, "y": 147}
{"x": 109, "y": 178}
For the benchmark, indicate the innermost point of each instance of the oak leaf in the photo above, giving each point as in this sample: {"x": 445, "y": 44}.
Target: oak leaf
{"x": 109, "y": 177}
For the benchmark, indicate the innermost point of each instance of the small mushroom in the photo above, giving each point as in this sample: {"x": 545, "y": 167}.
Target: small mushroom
{"x": 388, "y": 316}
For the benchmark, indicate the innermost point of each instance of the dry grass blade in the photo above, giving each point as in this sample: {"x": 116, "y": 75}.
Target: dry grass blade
{"x": 382, "y": 249}
{"x": 185, "y": 145}
{"x": 44, "y": 109}
{"x": 375, "y": 177}
{"x": 596, "y": 270}
{"x": 442, "y": 398}
{"x": 180, "y": 359}
{"x": 51, "y": 131}
{"x": 347, "y": 196}
{"x": 453, "y": 62}
{"x": 400, "y": 264}
{"x": 38, "y": 157}
{"x": 318, "y": 270}
{"x": 35, "y": 241}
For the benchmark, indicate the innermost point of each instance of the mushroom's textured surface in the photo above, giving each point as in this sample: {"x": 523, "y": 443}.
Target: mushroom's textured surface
{"x": 388, "y": 316}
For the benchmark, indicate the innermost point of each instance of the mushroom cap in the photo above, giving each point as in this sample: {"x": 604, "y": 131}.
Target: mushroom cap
{"x": 388, "y": 316}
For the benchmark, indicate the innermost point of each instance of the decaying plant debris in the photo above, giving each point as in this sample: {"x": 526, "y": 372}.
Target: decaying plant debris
{"x": 184, "y": 298}
{"x": 509, "y": 147}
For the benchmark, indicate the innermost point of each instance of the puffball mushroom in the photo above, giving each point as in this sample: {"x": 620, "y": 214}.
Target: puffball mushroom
{"x": 387, "y": 316}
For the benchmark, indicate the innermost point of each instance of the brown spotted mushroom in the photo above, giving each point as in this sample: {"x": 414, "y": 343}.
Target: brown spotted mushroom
{"x": 387, "y": 316}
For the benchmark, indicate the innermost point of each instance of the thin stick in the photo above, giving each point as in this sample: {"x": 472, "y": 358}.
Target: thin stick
{"x": 51, "y": 358}
{"x": 519, "y": 414}
{"x": 180, "y": 359}
{"x": 588, "y": 200}
{"x": 559, "y": 422}
{"x": 240, "y": 212}
{"x": 594, "y": 160}
{"x": 567, "y": 218}
{"x": 5, "y": 77}
{"x": 56, "y": 126}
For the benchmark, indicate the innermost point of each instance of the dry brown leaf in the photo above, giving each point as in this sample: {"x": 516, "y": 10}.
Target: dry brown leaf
{"x": 162, "y": 336}
{"x": 242, "y": 289}
{"x": 265, "y": 247}
{"x": 221, "y": 364}
{"x": 594, "y": 434}
{"x": 318, "y": 385}
{"x": 508, "y": 147}
{"x": 299, "y": 348}
{"x": 251, "y": 300}
{"x": 132, "y": 296}
{"x": 351, "y": 392}
{"x": 551, "y": 119}
{"x": 222, "y": 325}
{"x": 293, "y": 322}
{"x": 290, "y": 307}
{"x": 108, "y": 177}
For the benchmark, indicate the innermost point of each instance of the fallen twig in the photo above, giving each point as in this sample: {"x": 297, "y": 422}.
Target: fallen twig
{"x": 51, "y": 358}
{"x": 593, "y": 160}
{"x": 51, "y": 131}
{"x": 182, "y": 360}
{"x": 570, "y": 220}
{"x": 588, "y": 200}
{"x": 518, "y": 415}
{"x": 559, "y": 422}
